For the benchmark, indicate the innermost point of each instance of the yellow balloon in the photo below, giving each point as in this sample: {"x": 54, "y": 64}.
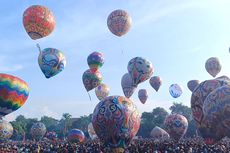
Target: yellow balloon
{"x": 102, "y": 91}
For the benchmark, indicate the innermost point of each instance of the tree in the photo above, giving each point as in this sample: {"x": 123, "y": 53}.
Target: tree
{"x": 66, "y": 119}
{"x": 50, "y": 123}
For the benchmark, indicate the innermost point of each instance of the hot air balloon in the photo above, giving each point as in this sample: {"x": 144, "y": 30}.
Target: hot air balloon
{"x": 155, "y": 82}
{"x": 140, "y": 70}
{"x": 51, "y": 135}
{"x": 91, "y": 79}
{"x": 143, "y": 95}
{"x": 175, "y": 90}
{"x": 127, "y": 85}
{"x": 216, "y": 113}
{"x": 192, "y": 84}
{"x": 95, "y": 60}
{"x": 6, "y": 130}
{"x": 176, "y": 126}
{"x": 91, "y": 132}
{"x": 38, "y": 21}
{"x": 13, "y": 93}
{"x": 75, "y": 136}
{"x": 116, "y": 121}
{"x": 159, "y": 133}
{"x": 102, "y": 91}
{"x": 51, "y": 61}
{"x": 38, "y": 130}
{"x": 213, "y": 66}
{"x": 119, "y": 22}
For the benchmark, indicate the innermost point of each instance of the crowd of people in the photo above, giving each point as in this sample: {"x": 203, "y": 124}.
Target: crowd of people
{"x": 194, "y": 145}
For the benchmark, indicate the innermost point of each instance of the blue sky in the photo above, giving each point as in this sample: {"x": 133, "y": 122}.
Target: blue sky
{"x": 176, "y": 36}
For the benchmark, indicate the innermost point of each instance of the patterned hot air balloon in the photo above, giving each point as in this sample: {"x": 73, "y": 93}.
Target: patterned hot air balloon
{"x": 51, "y": 61}
{"x": 95, "y": 60}
{"x": 38, "y": 21}
{"x": 140, "y": 70}
{"x": 159, "y": 133}
{"x": 38, "y": 130}
{"x": 91, "y": 79}
{"x": 6, "y": 130}
{"x": 175, "y": 90}
{"x": 51, "y": 135}
{"x": 13, "y": 93}
{"x": 213, "y": 66}
{"x": 127, "y": 85}
{"x": 155, "y": 82}
{"x": 116, "y": 121}
{"x": 75, "y": 136}
{"x": 102, "y": 91}
{"x": 143, "y": 95}
{"x": 119, "y": 22}
{"x": 192, "y": 84}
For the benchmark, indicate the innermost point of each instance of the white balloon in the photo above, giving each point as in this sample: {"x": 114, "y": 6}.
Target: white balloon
{"x": 175, "y": 90}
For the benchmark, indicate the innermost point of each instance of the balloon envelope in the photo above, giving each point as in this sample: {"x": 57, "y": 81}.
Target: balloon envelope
{"x": 127, "y": 85}
{"x": 91, "y": 79}
{"x": 176, "y": 126}
{"x": 140, "y": 70}
{"x": 13, "y": 93}
{"x": 91, "y": 131}
{"x": 38, "y": 130}
{"x": 155, "y": 82}
{"x": 75, "y": 136}
{"x": 116, "y": 121}
{"x": 38, "y": 21}
{"x": 102, "y": 91}
{"x": 95, "y": 60}
{"x": 51, "y": 135}
{"x": 159, "y": 133}
{"x": 175, "y": 90}
{"x": 192, "y": 84}
{"x": 143, "y": 95}
{"x": 119, "y": 22}
{"x": 213, "y": 66}
{"x": 51, "y": 61}
{"x": 6, "y": 130}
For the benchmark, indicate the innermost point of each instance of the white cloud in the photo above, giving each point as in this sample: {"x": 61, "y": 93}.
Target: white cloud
{"x": 48, "y": 112}
{"x": 5, "y": 64}
{"x": 9, "y": 117}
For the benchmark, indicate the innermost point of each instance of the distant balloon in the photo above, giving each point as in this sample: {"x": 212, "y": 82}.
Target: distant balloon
{"x": 38, "y": 21}
{"x": 91, "y": 132}
{"x": 38, "y": 130}
{"x": 102, "y": 91}
{"x": 95, "y": 60}
{"x": 176, "y": 125}
{"x": 6, "y": 130}
{"x": 192, "y": 84}
{"x": 51, "y": 135}
{"x": 143, "y": 95}
{"x": 75, "y": 136}
{"x": 51, "y": 61}
{"x": 140, "y": 70}
{"x": 213, "y": 66}
{"x": 13, "y": 93}
{"x": 159, "y": 133}
{"x": 155, "y": 82}
{"x": 175, "y": 90}
{"x": 119, "y": 22}
{"x": 127, "y": 85}
{"x": 116, "y": 121}
{"x": 91, "y": 79}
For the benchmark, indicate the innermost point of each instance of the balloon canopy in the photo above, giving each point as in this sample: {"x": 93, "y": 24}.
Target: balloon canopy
{"x": 140, "y": 70}
{"x": 6, "y": 130}
{"x": 102, "y": 91}
{"x": 38, "y": 21}
{"x": 91, "y": 132}
{"x": 91, "y": 79}
{"x": 119, "y": 22}
{"x": 127, "y": 85}
{"x": 95, "y": 60}
{"x": 176, "y": 126}
{"x": 155, "y": 82}
{"x": 75, "y": 136}
{"x": 51, "y": 61}
{"x": 192, "y": 84}
{"x": 51, "y": 135}
{"x": 143, "y": 95}
{"x": 175, "y": 90}
{"x": 38, "y": 130}
{"x": 159, "y": 133}
{"x": 116, "y": 121}
{"x": 213, "y": 66}
{"x": 13, "y": 93}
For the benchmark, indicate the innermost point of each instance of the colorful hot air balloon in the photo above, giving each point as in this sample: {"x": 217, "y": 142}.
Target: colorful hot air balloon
{"x": 116, "y": 121}
{"x": 38, "y": 21}
{"x": 176, "y": 125}
{"x": 13, "y": 93}
{"x": 140, "y": 70}
{"x": 51, "y": 135}
{"x": 119, "y": 22}
{"x": 192, "y": 84}
{"x": 6, "y": 130}
{"x": 91, "y": 132}
{"x": 155, "y": 82}
{"x": 127, "y": 85}
{"x": 213, "y": 66}
{"x": 175, "y": 90}
{"x": 102, "y": 91}
{"x": 91, "y": 79}
{"x": 159, "y": 133}
{"x": 95, "y": 60}
{"x": 51, "y": 61}
{"x": 38, "y": 130}
{"x": 143, "y": 95}
{"x": 75, "y": 136}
